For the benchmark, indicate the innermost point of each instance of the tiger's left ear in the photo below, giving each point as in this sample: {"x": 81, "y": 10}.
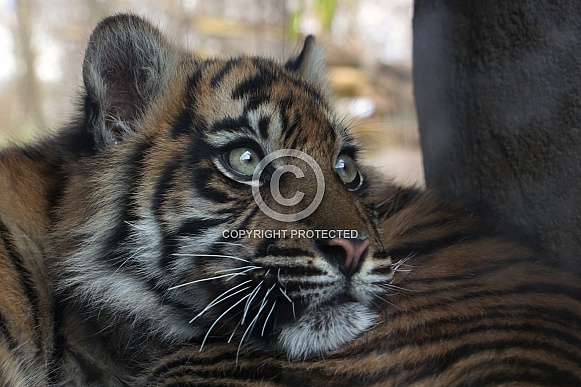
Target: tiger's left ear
{"x": 310, "y": 63}
{"x": 127, "y": 66}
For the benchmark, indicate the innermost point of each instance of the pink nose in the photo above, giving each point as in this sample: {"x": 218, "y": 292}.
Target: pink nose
{"x": 348, "y": 253}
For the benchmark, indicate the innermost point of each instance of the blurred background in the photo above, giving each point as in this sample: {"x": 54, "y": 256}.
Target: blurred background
{"x": 367, "y": 44}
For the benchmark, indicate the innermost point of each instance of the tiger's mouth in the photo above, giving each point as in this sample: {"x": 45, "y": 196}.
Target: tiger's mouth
{"x": 302, "y": 329}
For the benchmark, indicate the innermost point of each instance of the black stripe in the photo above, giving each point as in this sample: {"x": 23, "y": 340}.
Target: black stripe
{"x": 382, "y": 271}
{"x": 275, "y": 251}
{"x": 254, "y": 102}
{"x": 203, "y": 179}
{"x": 116, "y": 254}
{"x": 253, "y": 86}
{"x": 462, "y": 326}
{"x": 91, "y": 373}
{"x": 25, "y": 279}
{"x": 447, "y": 302}
{"x": 244, "y": 223}
{"x": 191, "y": 363}
{"x": 218, "y": 246}
{"x": 301, "y": 271}
{"x": 300, "y": 142}
{"x": 184, "y": 121}
{"x": 263, "y": 127}
{"x": 532, "y": 288}
{"x": 364, "y": 217}
{"x": 522, "y": 371}
{"x": 431, "y": 246}
{"x": 212, "y": 378}
{"x": 231, "y": 124}
{"x": 442, "y": 361}
{"x": 192, "y": 228}
{"x": 224, "y": 71}
{"x": 163, "y": 185}
{"x": 284, "y": 106}
{"x": 299, "y": 287}
{"x": 60, "y": 341}
{"x": 291, "y": 129}
{"x": 5, "y": 332}
{"x": 381, "y": 255}
{"x": 475, "y": 273}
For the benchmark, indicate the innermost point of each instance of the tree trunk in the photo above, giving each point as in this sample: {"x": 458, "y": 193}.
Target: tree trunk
{"x": 30, "y": 97}
{"x": 498, "y": 95}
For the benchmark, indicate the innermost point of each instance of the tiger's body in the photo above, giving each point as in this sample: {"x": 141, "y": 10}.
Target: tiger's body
{"x": 115, "y": 262}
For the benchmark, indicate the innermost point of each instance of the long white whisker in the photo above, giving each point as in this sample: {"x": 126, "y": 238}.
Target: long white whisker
{"x": 225, "y": 298}
{"x": 286, "y": 295}
{"x": 289, "y": 300}
{"x": 229, "y": 243}
{"x": 268, "y": 292}
{"x": 267, "y": 317}
{"x": 211, "y": 255}
{"x": 395, "y": 287}
{"x": 401, "y": 262}
{"x": 219, "y": 299}
{"x": 233, "y": 332}
{"x": 135, "y": 226}
{"x": 249, "y": 301}
{"x": 204, "y": 279}
{"x": 220, "y": 317}
{"x": 384, "y": 300}
{"x": 247, "y": 268}
{"x": 251, "y": 325}
{"x": 125, "y": 261}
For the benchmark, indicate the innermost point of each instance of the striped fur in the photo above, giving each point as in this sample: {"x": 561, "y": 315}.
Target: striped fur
{"x": 26, "y": 305}
{"x": 469, "y": 307}
{"x": 113, "y": 233}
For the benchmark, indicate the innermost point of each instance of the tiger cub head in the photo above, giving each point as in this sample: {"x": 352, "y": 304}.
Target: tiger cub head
{"x": 189, "y": 203}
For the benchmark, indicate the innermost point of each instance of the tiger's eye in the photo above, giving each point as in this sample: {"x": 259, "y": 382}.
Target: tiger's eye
{"x": 243, "y": 160}
{"x": 347, "y": 170}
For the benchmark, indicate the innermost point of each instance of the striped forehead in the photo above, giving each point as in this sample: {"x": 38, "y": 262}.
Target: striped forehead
{"x": 255, "y": 98}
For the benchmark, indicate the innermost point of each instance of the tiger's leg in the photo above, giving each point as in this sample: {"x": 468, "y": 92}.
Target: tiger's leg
{"x": 26, "y": 332}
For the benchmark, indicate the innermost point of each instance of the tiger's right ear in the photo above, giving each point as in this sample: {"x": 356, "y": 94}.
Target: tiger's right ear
{"x": 310, "y": 63}
{"x": 127, "y": 63}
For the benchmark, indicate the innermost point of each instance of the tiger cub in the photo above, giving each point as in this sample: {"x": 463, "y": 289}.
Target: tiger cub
{"x": 152, "y": 220}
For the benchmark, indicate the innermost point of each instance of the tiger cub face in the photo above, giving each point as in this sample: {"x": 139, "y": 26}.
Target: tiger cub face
{"x": 188, "y": 207}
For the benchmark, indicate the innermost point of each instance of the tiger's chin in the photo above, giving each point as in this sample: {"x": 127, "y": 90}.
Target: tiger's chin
{"x": 325, "y": 329}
